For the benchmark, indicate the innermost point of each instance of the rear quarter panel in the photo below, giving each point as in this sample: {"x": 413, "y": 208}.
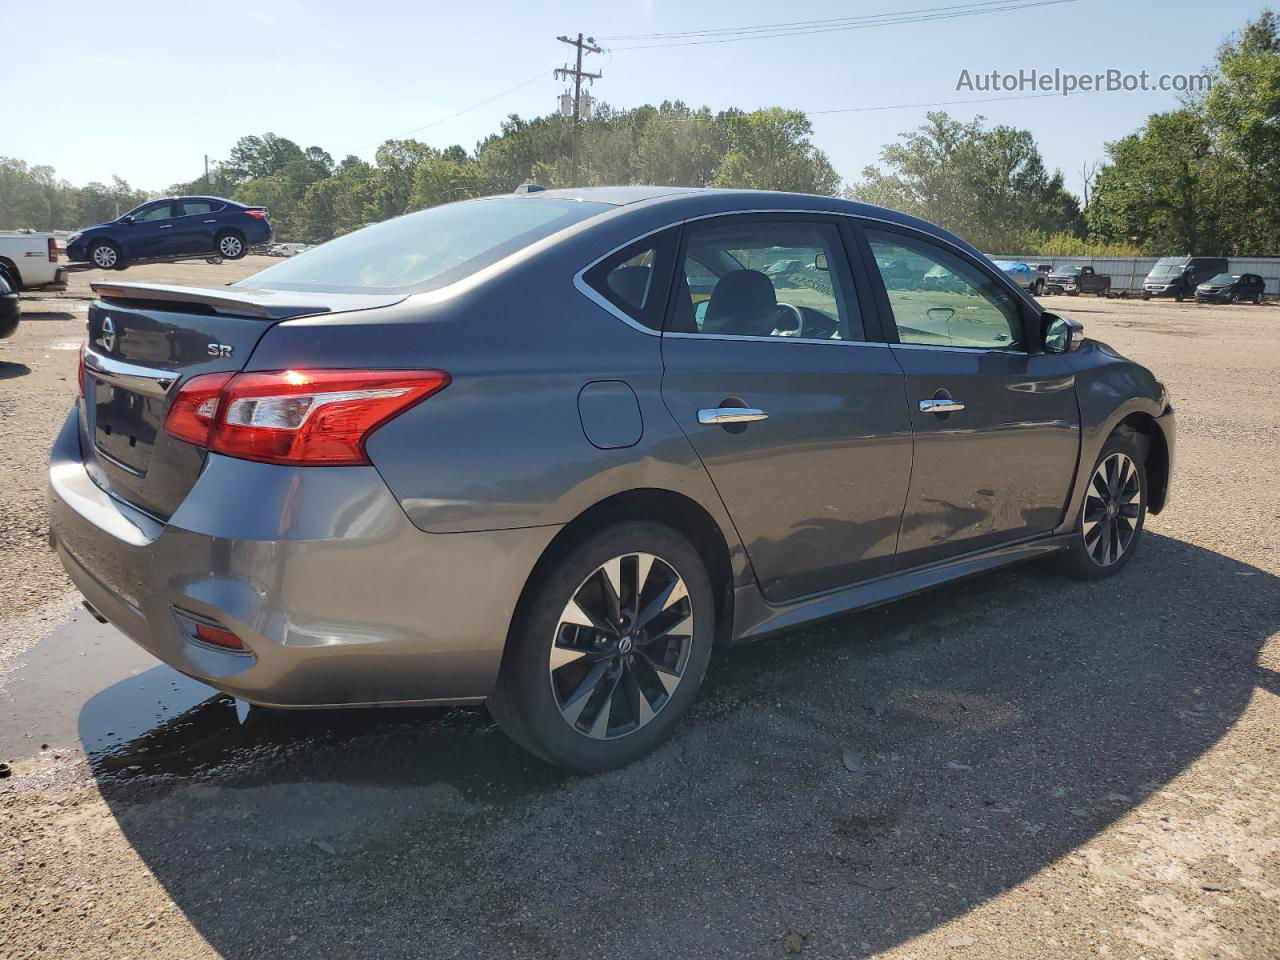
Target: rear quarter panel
{"x": 503, "y": 446}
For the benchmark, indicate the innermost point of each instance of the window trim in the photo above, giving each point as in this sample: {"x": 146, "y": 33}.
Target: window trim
{"x": 857, "y": 251}
{"x": 866, "y": 311}
{"x": 659, "y": 283}
{"x": 889, "y": 325}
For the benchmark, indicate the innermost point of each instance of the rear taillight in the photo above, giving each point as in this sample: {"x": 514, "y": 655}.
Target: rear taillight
{"x": 193, "y": 410}
{"x": 302, "y": 417}
{"x": 53, "y": 250}
{"x": 257, "y": 213}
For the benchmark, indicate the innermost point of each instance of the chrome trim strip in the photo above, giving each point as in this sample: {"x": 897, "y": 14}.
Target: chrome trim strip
{"x": 131, "y": 376}
{"x": 938, "y": 346}
{"x": 735, "y": 336}
{"x": 587, "y": 291}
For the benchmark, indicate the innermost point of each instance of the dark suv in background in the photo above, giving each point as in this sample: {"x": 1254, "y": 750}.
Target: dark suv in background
{"x": 1232, "y": 288}
{"x": 173, "y": 227}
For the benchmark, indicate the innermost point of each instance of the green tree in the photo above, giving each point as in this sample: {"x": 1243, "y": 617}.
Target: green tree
{"x": 771, "y": 150}
{"x": 988, "y": 185}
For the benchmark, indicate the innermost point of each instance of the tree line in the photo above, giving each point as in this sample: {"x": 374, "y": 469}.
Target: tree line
{"x": 1204, "y": 178}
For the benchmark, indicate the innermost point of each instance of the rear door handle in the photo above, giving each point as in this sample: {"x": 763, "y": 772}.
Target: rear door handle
{"x": 166, "y": 226}
{"x": 211, "y": 221}
{"x": 941, "y": 406}
{"x": 731, "y": 415}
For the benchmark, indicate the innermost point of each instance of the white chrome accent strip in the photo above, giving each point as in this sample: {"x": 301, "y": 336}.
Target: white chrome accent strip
{"x": 710, "y": 415}
{"x": 131, "y": 376}
{"x": 735, "y": 336}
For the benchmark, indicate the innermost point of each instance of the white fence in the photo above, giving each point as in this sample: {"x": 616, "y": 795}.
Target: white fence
{"x": 1127, "y": 273}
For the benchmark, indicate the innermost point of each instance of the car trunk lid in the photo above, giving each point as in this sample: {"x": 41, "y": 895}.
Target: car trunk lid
{"x": 145, "y": 341}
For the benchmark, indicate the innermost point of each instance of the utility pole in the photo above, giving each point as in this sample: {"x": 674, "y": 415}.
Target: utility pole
{"x": 206, "y": 171}
{"x": 588, "y": 45}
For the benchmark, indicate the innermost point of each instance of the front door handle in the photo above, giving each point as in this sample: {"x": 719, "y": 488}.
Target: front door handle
{"x": 941, "y": 405}
{"x": 166, "y": 226}
{"x": 724, "y": 415}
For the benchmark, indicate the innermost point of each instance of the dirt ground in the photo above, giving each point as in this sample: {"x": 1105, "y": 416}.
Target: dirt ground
{"x": 1018, "y": 765}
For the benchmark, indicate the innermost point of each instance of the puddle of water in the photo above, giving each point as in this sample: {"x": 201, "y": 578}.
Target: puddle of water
{"x": 90, "y": 693}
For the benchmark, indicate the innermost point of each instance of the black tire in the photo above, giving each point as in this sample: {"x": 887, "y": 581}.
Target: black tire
{"x": 1146, "y": 296}
{"x": 1257, "y": 299}
{"x": 1073, "y": 293}
{"x": 230, "y": 245}
{"x": 1102, "y": 291}
{"x": 1038, "y": 289}
{"x": 106, "y": 255}
{"x": 1235, "y": 299}
{"x": 1179, "y": 296}
{"x": 1081, "y": 559}
{"x": 12, "y": 276}
{"x": 529, "y": 701}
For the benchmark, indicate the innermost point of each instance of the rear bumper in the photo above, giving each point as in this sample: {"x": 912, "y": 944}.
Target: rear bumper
{"x": 337, "y": 597}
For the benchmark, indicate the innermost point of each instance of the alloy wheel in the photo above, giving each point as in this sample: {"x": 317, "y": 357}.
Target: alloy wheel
{"x": 104, "y": 257}
{"x": 1112, "y": 507}
{"x": 230, "y": 246}
{"x": 621, "y": 646}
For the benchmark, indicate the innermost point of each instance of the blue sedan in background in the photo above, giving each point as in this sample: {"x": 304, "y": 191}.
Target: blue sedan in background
{"x": 173, "y": 227}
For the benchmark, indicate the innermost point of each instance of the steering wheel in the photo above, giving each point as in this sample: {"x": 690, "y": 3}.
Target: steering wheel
{"x": 795, "y": 312}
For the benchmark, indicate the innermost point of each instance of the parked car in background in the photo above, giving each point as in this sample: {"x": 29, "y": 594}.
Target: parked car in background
{"x": 1023, "y": 275}
{"x": 1178, "y": 277}
{"x": 1074, "y": 281}
{"x": 30, "y": 260}
{"x": 170, "y": 228}
{"x": 10, "y": 307}
{"x": 1232, "y": 288}
{"x": 494, "y": 451}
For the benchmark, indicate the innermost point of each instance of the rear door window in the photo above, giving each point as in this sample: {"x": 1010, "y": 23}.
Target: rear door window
{"x": 767, "y": 277}
{"x": 192, "y": 208}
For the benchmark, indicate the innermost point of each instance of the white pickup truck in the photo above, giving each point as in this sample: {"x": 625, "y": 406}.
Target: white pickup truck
{"x": 31, "y": 260}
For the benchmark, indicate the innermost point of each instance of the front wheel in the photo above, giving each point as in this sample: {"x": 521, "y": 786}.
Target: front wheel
{"x": 230, "y": 245}
{"x": 608, "y": 650}
{"x": 1038, "y": 289}
{"x": 1114, "y": 511}
{"x": 105, "y": 255}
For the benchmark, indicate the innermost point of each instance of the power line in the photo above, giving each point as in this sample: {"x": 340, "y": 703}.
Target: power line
{"x": 734, "y": 35}
{"x": 796, "y": 24}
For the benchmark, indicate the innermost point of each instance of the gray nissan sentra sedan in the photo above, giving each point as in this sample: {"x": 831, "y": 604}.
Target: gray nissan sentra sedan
{"x": 544, "y": 451}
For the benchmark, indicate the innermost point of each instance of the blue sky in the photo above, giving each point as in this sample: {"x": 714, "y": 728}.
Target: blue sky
{"x": 147, "y": 89}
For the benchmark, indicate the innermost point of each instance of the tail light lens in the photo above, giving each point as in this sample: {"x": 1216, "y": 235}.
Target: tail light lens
{"x": 258, "y": 213}
{"x": 193, "y": 410}
{"x": 53, "y": 250}
{"x": 300, "y": 417}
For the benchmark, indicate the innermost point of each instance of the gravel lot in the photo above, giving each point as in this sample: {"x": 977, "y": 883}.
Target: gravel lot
{"x": 1019, "y": 765}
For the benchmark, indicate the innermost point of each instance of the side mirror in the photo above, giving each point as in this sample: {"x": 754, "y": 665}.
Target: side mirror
{"x": 1061, "y": 334}
{"x": 126, "y": 219}
{"x": 820, "y": 262}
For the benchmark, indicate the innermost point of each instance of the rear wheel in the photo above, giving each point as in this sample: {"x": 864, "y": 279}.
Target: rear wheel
{"x": 10, "y": 273}
{"x": 1114, "y": 511}
{"x": 609, "y": 649}
{"x": 230, "y": 244}
{"x": 1038, "y": 288}
{"x": 105, "y": 255}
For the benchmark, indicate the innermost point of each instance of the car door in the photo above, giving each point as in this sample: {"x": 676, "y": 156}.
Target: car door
{"x": 996, "y": 425}
{"x": 194, "y": 224}
{"x": 151, "y": 230}
{"x": 793, "y": 404}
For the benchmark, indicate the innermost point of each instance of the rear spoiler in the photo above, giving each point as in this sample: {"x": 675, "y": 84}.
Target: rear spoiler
{"x": 264, "y": 304}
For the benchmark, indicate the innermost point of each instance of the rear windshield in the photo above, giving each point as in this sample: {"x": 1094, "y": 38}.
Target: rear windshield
{"x": 425, "y": 250}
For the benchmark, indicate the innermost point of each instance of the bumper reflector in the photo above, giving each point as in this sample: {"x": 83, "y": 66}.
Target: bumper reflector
{"x": 218, "y": 637}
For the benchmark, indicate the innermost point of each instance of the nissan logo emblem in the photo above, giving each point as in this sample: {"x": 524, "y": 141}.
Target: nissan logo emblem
{"x": 108, "y": 338}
